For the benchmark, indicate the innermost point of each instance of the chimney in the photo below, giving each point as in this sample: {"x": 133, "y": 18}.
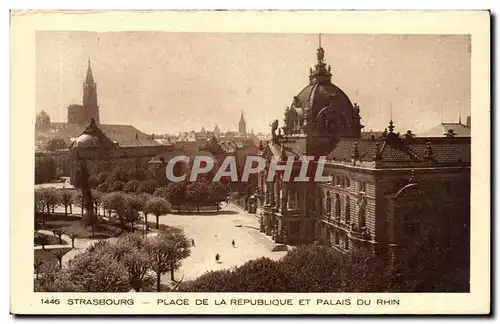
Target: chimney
{"x": 468, "y": 122}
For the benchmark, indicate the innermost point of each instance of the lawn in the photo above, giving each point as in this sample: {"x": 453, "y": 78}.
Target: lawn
{"x": 105, "y": 229}
{"x": 48, "y": 255}
{"x": 50, "y": 239}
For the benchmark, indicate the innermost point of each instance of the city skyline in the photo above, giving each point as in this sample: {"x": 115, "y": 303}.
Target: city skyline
{"x": 423, "y": 79}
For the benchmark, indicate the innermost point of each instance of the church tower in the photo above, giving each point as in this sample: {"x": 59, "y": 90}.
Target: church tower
{"x": 90, "y": 107}
{"x": 242, "y": 125}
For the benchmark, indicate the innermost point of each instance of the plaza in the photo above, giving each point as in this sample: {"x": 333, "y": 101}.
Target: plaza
{"x": 212, "y": 234}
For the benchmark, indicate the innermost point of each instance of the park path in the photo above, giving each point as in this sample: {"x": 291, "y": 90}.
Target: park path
{"x": 213, "y": 233}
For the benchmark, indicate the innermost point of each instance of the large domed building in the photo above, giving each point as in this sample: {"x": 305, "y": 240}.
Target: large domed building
{"x": 321, "y": 112}
{"x": 385, "y": 194}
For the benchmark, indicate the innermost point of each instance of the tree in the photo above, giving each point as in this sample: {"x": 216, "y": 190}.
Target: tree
{"x": 131, "y": 186}
{"x": 97, "y": 200}
{"x": 45, "y": 169}
{"x": 116, "y": 175}
{"x": 42, "y": 240}
{"x": 90, "y": 219}
{"x": 217, "y": 193}
{"x": 39, "y": 201}
{"x": 116, "y": 186}
{"x": 165, "y": 253}
{"x": 55, "y": 144}
{"x": 53, "y": 279}
{"x": 73, "y": 235}
{"x": 196, "y": 194}
{"x": 132, "y": 216}
{"x": 54, "y": 198}
{"x": 58, "y": 254}
{"x": 143, "y": 198}
{"x": 176, "y": 194}
{"x": 116, "y": 201}
{"x": 180, "y": 245}
{"x": 94, "y": 181}
{"x": 148, "y": 186}
{"x": 38, "y": 266}
{"x": 161, "y": 192}
{"x": 261, "y": 275}
{"x": 103, "y": 187}
{"x": 103, "y": 176}
{"x": 97, "y": 270}
{"x": 324, "y": 267}
{"x": 157, "y": 206}
{"x": 130, "y": 251}
{"x": 79, "y": 200}
{"x": 59, "y": 233}
{"x": 66, "y": 200}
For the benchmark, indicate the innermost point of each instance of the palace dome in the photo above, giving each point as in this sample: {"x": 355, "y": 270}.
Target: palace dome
{"x": 87, "y": 141}
{"x": 322, "y": 107}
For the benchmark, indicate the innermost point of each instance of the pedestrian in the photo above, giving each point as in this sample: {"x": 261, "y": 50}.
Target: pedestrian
{"x": 192, "y": 242}
{"x": 233, "y": 243}
{"x": 217, "y": 257}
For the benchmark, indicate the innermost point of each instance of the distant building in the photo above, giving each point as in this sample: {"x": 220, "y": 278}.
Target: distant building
{"x": 106, "y": 147}
{"x": 449, "y": 129}
{"x": 129, "y": 146}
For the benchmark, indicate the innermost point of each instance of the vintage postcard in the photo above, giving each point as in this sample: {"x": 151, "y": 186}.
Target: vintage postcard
{"x": 250, "y": 162}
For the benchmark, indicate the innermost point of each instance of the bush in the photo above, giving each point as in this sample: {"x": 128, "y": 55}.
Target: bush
{"x": 131, "y": 186}
{"x": 94, "y": 181}
{"x": 116, "y": 186}
{"x": 103, "y": 187}
{"x": 103, "y": 176}
{"x": 148, "y": 186}
{"x": 261, "y": 275}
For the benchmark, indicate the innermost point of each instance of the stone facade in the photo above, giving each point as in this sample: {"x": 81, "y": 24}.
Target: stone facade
{"x": 385, "y": 193}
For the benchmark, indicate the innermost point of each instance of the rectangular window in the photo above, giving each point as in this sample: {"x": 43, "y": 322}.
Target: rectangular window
{"x": 346, "y": 242}
{"x": 337, "y": 238}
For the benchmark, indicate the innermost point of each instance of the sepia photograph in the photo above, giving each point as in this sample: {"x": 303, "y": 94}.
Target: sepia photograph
{"x": 251, "y": 162}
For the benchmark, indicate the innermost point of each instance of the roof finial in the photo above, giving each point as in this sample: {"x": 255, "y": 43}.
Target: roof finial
{"x": 319, "y": 36}
{"x": 460, "y": 117}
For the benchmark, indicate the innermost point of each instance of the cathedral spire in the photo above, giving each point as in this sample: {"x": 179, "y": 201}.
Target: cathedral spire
{"x": 242, "y": 125}
{"x": 90, "y": 76}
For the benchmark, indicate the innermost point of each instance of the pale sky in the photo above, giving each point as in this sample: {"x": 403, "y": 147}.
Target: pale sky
{"x": 171, "y": 82}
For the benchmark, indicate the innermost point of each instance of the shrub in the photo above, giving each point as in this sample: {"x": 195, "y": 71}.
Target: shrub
{"x": 116, "y": 186}
{"x": 148, "y": 186}
{"x": 131, "y": 186}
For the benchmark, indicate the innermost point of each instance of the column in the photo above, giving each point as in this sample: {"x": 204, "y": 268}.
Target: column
{"x": 277, "y": 195}
{"x": 284, "y": 197}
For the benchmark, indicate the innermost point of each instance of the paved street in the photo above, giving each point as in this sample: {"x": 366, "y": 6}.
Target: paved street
{"x": 213, "y": 234}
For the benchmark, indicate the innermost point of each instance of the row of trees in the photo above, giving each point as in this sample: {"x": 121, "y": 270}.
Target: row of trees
{"x": 127, "y": 207}
{"x": 133, "y": 262}
{"x": 324, "y": 269}
{"x": 46, "y": 169}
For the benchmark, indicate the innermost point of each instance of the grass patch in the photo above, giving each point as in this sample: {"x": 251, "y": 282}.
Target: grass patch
{"x": 105, "y": 229}
{"x": 47, "y": 256}
{"x": 49, "y": 239}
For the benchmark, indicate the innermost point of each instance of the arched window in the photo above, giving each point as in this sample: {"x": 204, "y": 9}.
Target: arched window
{"x": 328, "y": 204}
{"x": 347, "y": 182}
{"x": 337, "y": 207}
{"x": 347, "y": 209}
{"x": 362, "y": 186}
{"x": 362, "y": 215}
